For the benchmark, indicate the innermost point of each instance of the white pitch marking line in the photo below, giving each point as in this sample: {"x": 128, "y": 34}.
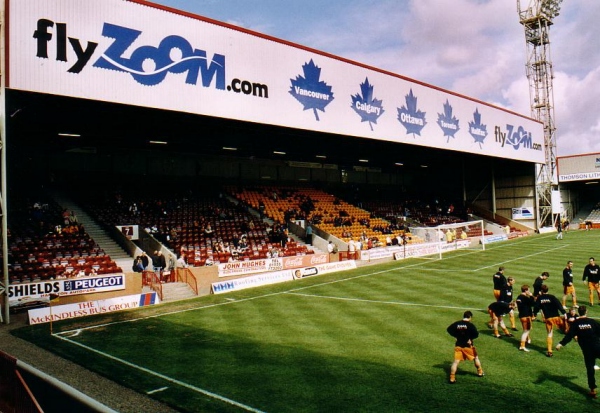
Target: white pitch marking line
{"x": 521, "y": 258}
{"x": 157, "y": 390}
{"x": 167, "y": 378}
{"x": 497, "y": 264}
{"x": 233, "y": 301}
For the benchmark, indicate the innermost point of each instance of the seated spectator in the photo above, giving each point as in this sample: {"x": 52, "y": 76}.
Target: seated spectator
{"x": 181, "y": 262}
{"x": 138, "y": 266}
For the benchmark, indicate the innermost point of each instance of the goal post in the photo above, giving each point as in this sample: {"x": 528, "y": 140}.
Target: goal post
{"x": 468, "y": 235}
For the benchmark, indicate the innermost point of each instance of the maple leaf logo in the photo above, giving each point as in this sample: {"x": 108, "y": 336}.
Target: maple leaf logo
{"x": 477, "y": 130}
{"x": 310, "y": 91}
{"x": 410, "y": 117}
{"x": 368, "y": 108}
{"x": 447, "y": 122}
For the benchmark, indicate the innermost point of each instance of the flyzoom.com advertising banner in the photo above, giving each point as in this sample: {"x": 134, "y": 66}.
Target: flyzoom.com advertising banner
{"x": 137, "y": 54}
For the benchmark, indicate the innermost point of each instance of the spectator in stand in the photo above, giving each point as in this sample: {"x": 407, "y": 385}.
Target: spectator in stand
{"x": 159, "y": 263}
{"x": 145, "y": 259}
{"x": 351, "y": 249}
{"x": 65, "y": 217}
{"x": 330, "y": 247}
{"x": 309, "y": 231}
{"x": 73, "y": 218}
{"x": 181, "y": 262}
{"x": 137, "y": 265}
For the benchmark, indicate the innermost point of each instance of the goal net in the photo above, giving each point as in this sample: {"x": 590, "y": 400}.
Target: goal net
{"x": 451, "y": 237}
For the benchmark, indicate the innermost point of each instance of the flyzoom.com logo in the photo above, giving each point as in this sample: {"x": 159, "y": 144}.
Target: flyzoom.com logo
{"x": 148, "y": 65}
{"x": 516, "y": 138}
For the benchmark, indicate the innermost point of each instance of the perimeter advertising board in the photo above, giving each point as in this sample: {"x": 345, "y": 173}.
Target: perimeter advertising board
{"x": 271, "y": 264}
{"x": 69, "y": 311}
{"x": 136, "y": 53}
{"x": 280, "y": 276}
{"x": 19, "y": 293}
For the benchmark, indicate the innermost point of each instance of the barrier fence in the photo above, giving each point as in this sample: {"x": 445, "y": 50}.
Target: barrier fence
{"x": 15, "y": 395}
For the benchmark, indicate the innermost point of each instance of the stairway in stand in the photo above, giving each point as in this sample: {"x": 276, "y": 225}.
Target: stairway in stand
{"x": 95, "y": 231}
{"x": 177, "y": 291}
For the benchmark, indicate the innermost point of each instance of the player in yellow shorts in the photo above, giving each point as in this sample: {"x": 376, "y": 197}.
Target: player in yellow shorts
{"x": 525, "y": 303}
{"x": 553, "y": 311}
{"x": 568, "y": 285}
{"x": 500, "y": 281}
{"x": 465, "y": 332}
{"x": 591, "y": 276}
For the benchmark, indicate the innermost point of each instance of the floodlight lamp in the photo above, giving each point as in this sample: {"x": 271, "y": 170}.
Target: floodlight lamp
{"x": 550, "y": 8}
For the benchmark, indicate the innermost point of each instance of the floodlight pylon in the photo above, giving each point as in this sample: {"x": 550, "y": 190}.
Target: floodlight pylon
{"x": 537, "y": 17}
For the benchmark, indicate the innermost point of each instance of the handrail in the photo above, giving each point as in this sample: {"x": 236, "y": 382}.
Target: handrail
{"x": 185, "y": 275}
{"x": 25, "y": 400}
{"x": 66, "y": 389}
{"x": 155, "y": 283}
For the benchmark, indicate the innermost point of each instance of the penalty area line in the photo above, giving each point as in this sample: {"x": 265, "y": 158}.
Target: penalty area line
{"x": 162, "y": 376}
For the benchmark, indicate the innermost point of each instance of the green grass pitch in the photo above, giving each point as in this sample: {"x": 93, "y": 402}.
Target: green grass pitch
{"x": 369, "y": 340}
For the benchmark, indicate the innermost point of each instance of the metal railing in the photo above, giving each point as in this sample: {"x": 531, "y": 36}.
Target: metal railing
{"x": 186, "y": 276}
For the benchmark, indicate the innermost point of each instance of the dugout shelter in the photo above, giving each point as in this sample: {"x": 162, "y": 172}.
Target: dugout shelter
{"x": 118, "y": 92}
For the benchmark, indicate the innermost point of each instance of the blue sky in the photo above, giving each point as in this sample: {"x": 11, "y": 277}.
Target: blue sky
{"x": 472, "y": 47}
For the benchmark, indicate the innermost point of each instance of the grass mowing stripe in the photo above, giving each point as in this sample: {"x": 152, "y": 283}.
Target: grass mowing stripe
{"x": 169, "y": 379}
{"x": 383, "y": 302}
{"x": 346, "y": 342}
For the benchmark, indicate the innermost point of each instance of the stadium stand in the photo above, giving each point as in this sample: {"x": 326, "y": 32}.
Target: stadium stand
{"x": 44, "y": 245}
